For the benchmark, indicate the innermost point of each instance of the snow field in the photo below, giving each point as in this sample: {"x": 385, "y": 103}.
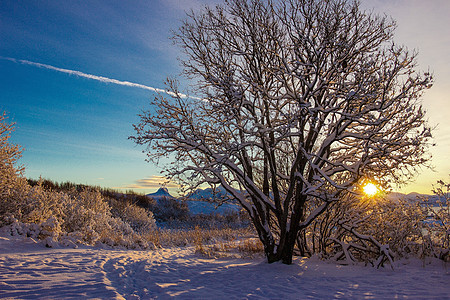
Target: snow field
{"x": 28, "y": 270}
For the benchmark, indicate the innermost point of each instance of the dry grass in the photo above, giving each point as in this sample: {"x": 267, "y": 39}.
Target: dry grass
{"x": 251, "y": 247}
{"x": 168, "y": 238}
{"x": 243, "y": 247}
{"x": 210, "y": 243}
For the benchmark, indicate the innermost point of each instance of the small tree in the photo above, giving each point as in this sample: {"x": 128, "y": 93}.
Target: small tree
{"x": 9, "y": 153}
{"x": 11, "y": 179}
{"x": 297, "y": 102}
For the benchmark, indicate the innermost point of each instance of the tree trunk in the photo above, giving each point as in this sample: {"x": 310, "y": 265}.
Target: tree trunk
{"x": 288, "y": 251}
{"x": 283, "y": 251}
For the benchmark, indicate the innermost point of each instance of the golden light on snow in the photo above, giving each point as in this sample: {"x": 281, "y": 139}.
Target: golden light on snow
{"x": 370, "y": 189}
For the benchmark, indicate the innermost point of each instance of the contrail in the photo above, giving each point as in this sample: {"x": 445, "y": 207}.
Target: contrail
{"x": 94, "y": 77}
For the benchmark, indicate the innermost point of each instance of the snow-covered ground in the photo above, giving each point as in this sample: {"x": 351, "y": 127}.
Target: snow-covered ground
{"x": 28, "y": 270}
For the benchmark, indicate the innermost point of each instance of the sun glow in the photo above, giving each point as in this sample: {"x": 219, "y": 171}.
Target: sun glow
{"x": 370, "y": 189}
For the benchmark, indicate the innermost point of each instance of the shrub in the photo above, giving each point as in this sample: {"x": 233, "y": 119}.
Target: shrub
{"x": 439, "y": 227}
{"x": 376, "y": 230}
{"x": 140, "y": 219}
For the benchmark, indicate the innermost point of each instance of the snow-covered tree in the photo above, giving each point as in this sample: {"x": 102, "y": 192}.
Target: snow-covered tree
{"x": 11, "y": 179}
{"x": 296, "y": 102}
{"x": 9, "y": 153}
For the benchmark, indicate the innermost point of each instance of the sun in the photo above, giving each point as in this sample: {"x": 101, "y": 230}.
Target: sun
{"x": 370, "y": 189}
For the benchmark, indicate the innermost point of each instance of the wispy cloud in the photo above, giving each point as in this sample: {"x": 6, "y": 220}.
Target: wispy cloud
{"x": 151, "y": 183}
{"x": 90, "y": 76}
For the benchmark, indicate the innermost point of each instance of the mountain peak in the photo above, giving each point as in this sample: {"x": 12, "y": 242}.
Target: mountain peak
{"x": 161, "y": 192}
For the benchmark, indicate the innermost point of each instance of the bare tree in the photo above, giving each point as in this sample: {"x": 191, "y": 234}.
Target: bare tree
{"x": 297, "y": 102}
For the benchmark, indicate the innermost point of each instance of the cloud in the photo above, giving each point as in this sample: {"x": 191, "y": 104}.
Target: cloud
{"x": 151, "y": 182}
{"x": 93, "y": 77}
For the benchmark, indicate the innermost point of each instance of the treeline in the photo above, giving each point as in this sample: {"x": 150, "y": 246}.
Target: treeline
{"x": 167, "y": 212}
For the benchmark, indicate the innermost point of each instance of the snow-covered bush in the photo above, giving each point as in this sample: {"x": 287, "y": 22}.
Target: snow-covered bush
{"x": 76, "y": 217}
{"x": 140, "y": 219}
{"x": 68, "y": 214}
{"x": 438, "y": 226}
{"x": 88, "y": 213}
{"x": 344, "y": 232}
{"x": 39, "y": 204}
{"x": 398, "y": 224}
{"x": 377, "y": 229}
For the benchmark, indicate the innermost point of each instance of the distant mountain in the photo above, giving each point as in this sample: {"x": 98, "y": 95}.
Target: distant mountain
{"x": 208, "y": 194}
{"x": 161, "y": 193}
{"x": 414, "y": 197}
{"x": 201, "y": 201}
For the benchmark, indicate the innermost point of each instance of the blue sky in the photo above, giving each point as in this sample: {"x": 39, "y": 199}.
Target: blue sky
{"x": 75, "y": 128}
